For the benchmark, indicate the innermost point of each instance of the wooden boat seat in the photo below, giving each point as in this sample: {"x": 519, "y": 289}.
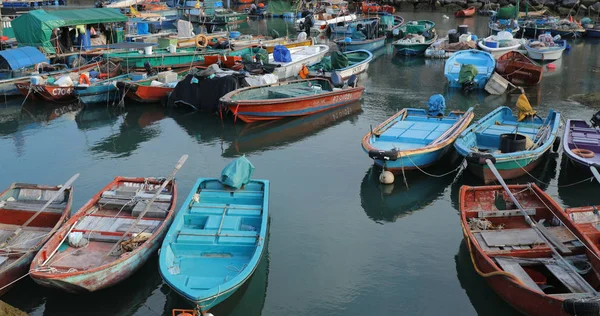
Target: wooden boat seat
{"x": 115, "y": 225}
{"x": 565, "y": 277}
{"x": 33, "y": 206}
{"x": 190, "y": 235}
{"x": 505, "y": 213}
{"x": 585, "y": 217}
{"x": 522, "y": 239}
{"x": 585, "y": 141}
{"x": 513, "y": 267}
{"x": 28, "y": 238}
{"x": 410, "y": 131}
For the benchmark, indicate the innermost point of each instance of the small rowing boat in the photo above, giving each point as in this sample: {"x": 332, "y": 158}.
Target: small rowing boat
{"x": 412, "y": 138}
{"x": 345, "y": 64}
{"x": 499, "y": 44}
{"x": 151, "y": 91}
{"x": 19, "y": 204}
{"x": 518, "y": 69}
{"x": 300, "y": 56}
{"x": 515, "y": 146}
{"x": 539, "y": 259}
{"x": 469, "y": 68}
{"x": 581, "y": 144}
{"x": 216, "y": 241}
{"x": 545, "y": 50}
{"x": 288, "y": 99}
{"x": 122, "y": 212}
{"x": 470, "y": 11}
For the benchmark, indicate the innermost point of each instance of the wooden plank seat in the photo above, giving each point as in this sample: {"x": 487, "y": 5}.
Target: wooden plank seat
{"x": 513, "y": 267}
{"x": 28, "y": 238}
{"x": 505, "y": 213}
{"x": 522, "y": 239}
{"x": 115, "y": 225}
{"x": 32, "y": 206}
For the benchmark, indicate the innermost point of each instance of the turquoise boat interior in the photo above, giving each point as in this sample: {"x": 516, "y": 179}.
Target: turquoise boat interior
{"x": 414, "y": 130}
{"x": 284, "y": 90}
{"x": 483, "y": 61}
{"x": 484, "y": 136}
{"x": 216, "y": 240}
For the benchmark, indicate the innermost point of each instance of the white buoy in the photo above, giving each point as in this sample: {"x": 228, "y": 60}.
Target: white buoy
{"x": 445, "y": 16}
{"x": 386, "y": 177}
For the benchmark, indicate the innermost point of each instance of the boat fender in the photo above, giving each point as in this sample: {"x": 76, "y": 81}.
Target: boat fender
{"x": 580, "y": 307}
{"x": 386, "y": 177}
{"x": 201, "y": 40}
{"x": 480, "y": 158}
{"x": 391, "y": 155}
{"x": 584, "y": 153}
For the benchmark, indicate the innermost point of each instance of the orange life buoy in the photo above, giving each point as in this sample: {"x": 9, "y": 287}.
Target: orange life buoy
{"x": 583, "y": 153}
{"x": 84, "y": 79}
{"x": 201, "y": 40}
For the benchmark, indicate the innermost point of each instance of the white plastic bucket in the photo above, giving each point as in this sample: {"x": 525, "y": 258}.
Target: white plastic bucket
{"x": 148, "y": 50}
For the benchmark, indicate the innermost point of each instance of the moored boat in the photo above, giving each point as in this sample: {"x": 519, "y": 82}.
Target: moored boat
{"x": 19, "y": 204}
{"x": 469, "y": 68}
{"x": 414, "y": 45}
{"x": 367, "y": 44}
{"x": 470, "y": 11}
{"x": 545, "y": 50}
{"x": 216, "y": 241}
{"x": 300, "y": 56}
{"x": 120, "y": 212}
{"x": 149, "y": 90}
{"x": 288, "y": 99}
{"x": 414, "y": 138}
{"x": 345, "y": 64}
{"x": 497, "y": 25}
{"x": 350, "y": 27}
{"x": 321, "y": 22}
{"x": 499, "y": 44}
{"x": 515, "y": 146}
{"x": 519, "y": 69}
{"x": 289, "y": 44}
{"x": 581, "y": 144}
{"x": 539, "y": 259}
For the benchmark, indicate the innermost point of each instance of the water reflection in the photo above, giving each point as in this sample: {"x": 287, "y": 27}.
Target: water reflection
{"x": 389, "y": 202}
{"x": 571, "y": 194}
{"x": 484, "y": 299}
{"x": 136, "y": 126}
{"x": 268, "y": 135}
{"x": 124, "y": 298}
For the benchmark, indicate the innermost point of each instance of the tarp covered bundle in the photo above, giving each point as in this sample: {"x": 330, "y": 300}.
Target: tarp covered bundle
{"x": 467, "y": 73}
{"x": 339, "y": 60}
{"x": 35, "y": 27}
{"x": 436, "y": 105}
{"x": 21, "y": 57}
{"x": 237, "y": 173}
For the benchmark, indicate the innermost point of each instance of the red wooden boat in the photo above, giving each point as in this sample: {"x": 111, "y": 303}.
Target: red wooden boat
{"x": 53, "y": 93}
{"x": 18, "y": 204}
{"x": 288, "y": 99}
{"x": 470, "y": 11}
{"x": 519, "y": 69}
{"x": 368, "y": 7}
{"x": 103, "y": 221}
{"x": 518, "y": 263}
{"x": 143, "y": 91}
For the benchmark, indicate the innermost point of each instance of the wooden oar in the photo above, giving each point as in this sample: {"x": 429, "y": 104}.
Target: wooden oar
{"x": 58, "y": 193}
{"x": 542, "y": 233}
{"x": 137, "y": 220}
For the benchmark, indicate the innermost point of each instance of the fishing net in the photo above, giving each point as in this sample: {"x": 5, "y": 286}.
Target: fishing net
{"x": 339, "y": 60}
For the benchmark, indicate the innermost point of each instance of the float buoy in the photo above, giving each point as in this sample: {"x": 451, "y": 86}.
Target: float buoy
{"x": 386, "y": 177}
{"x": 584, "y": 153}
{"x": 201, "y": 40}
{"x": 84, "y": 79}
{"x": 551, "y": 66}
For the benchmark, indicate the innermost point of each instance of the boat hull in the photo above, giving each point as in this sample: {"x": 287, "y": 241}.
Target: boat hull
{"x": 508, "y": 170}
{"x": 45, "y": 92}
{"x": 518, "y": 69}
{"x": 484, "y": 62}
{"x": 98, "y": 94}
{"x": 293, "y": 69}
{"x": 148, "y": 94}
{"x": 265, "y": 110}
{"x": 592, "y": 33}
{"x": 412, "y": 49}
{"x": 586, "y": 140}
{"x": 545, "y": 56}
{"x": 370, "y": 45}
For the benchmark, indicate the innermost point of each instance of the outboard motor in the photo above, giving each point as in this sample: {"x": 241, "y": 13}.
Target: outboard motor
{"x": 149, "y": 71}
{"x": 308, "y": 23}
{"x": 596, "y": 119}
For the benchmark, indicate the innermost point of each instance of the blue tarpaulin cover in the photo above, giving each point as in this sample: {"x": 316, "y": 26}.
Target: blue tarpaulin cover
{"x": 21, "y": 57}
{"x": 237, "y": 173}
{"x": 436, "y": 105}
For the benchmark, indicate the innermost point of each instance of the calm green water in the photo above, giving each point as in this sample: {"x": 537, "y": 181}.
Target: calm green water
{"x": 339, "y": 243}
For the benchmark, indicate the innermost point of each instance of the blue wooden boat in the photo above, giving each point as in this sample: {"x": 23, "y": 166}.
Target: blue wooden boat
{"x": 104, "y": 91}
{"x": 592, "y": 31}
{"x": 413, "y": 139}
{"x": 516, "y": 148}
{"x": 216, "y": 241}
{"x": 369, "y": 44}
{"x": 483, "y": 61}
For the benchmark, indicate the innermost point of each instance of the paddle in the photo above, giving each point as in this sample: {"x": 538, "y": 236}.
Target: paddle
{"x": 158, "y": 192}
{"x": 542, "y": 233}
{"x": 58, "y": 193}
{"x": 595, "y": 173}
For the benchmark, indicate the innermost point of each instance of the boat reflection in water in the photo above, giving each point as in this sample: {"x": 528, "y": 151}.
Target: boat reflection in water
{"x": 389, "y": 202}
{"x": 482, "y": 297}
{"x": 575, "y": 195}
{"x": 248, "y": 300}
{"x": 268, "y": 135}
{"x": 136, "y": 125}
{"x": 133, "y": 296}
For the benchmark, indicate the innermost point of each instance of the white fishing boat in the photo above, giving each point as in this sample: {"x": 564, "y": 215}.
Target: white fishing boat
{"x": 123, "y": 3}
{"x": 300, "y": 56}
{"x": 322, "y": 21}
{"x": 498, "y": 45}
{"x": 545, "y": 48}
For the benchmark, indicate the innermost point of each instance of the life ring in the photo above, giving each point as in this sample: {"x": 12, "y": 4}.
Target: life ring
{"x": 84, "y": 79}
{"x": 584, "y": 153}
{"x": 201, "y": 40}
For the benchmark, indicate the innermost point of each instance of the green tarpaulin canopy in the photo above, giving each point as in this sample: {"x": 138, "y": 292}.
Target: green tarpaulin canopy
{"x": 35, "y": 27}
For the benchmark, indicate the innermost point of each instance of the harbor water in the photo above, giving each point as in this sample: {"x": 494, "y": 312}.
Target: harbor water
{"x": 339, "y": 243}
